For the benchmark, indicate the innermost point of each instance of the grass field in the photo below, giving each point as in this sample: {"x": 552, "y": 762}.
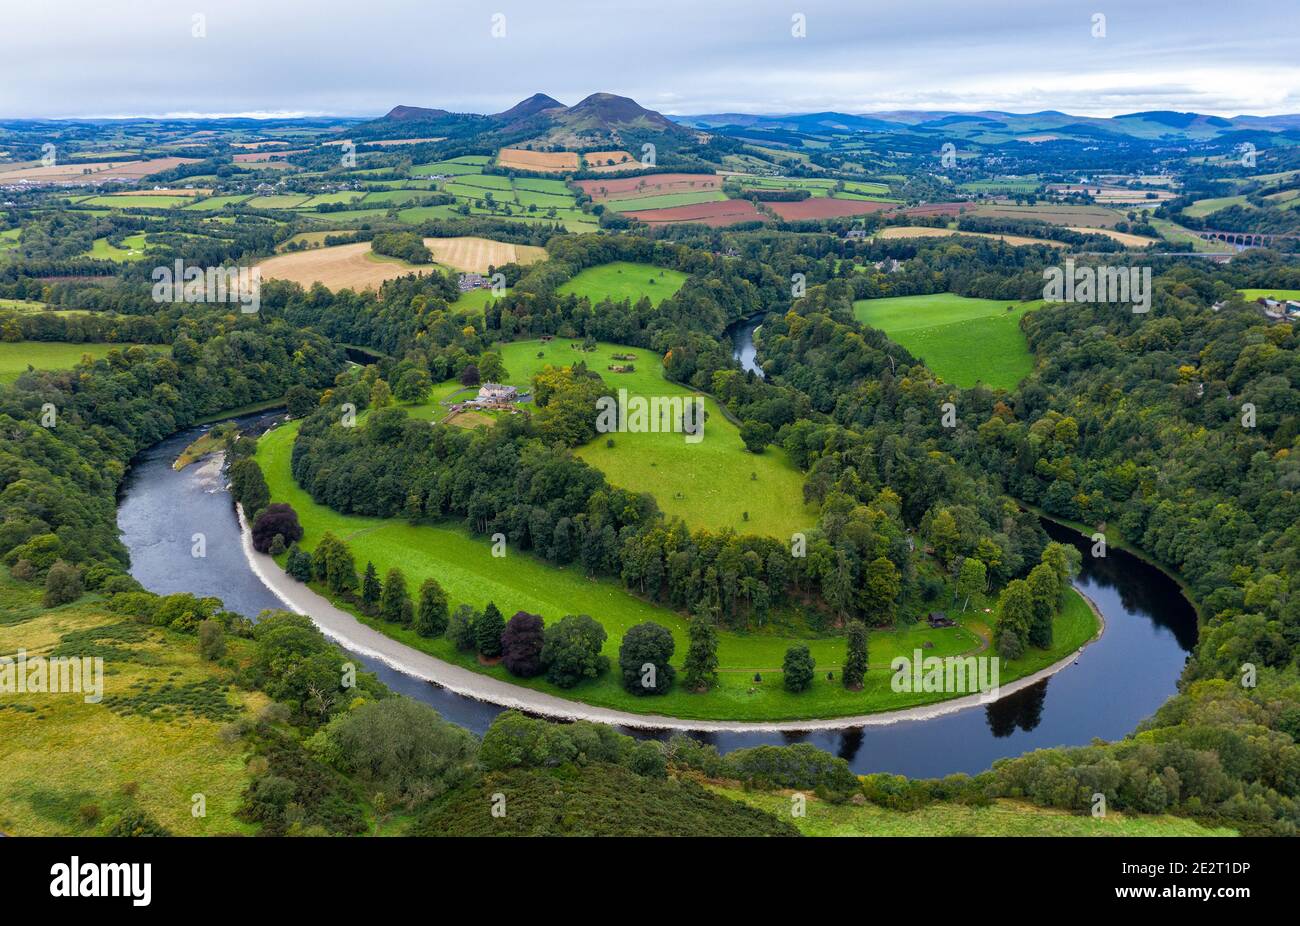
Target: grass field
{"x": 1002, "y": 818}
{"x": 666, "y": 201}
{"x": 1203, "y": 207}
{"x": 71, "y": 767}
{"x": 135, "y": 201}
{"x": 47, "y": 355}
{"x": 463, "y": 564}
{"x": 710, "y": 484}
{"x": 625, "y": 280}
{"x": 1250, "y": 295}
{"x": 963, "y": 340}
{"x": 132, "y": 249}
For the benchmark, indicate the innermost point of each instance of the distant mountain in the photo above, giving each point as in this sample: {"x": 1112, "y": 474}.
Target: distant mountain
{"x": 414, "y": 114}
{"x": 604, "y": 118}
{"x": 525, "y": 109}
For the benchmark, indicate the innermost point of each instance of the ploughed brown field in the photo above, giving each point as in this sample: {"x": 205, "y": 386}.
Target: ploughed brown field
{"x": 82, "y": 172}
{"x": 551, "y": 162}
{"x": 256, "y": 156}
{"x": 715, "y": 215}
{"x": 650, "y": 185}
{"x": 822, "y": 207}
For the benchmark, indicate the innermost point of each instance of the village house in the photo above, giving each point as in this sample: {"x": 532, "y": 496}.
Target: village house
{"x": 496, "y": 394}
{"x": 470, "y": 281}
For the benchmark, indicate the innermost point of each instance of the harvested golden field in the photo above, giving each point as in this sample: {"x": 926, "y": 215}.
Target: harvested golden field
{"x": 353, "y": 266}
{"x": 1091, "y": 216}
{"x": 256, "y": 157}
{"x": 81, "y": 172}
{"x": 549, "y": 162}
{"x": 1124, "y": 238}
{"x": 603, "y": 162}
{"x": 913, "y": 231}
{"x": 475, "y": 255}
{"x": 345, "y": 266}
{"x": 170, "y": 191}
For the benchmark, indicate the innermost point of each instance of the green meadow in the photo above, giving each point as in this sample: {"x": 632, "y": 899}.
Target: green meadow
{"x": 964, "y": 341}
{"x": 47, "y": 355}
{"x": 1250, "y": 295}
{"x": 465, "y": 567}
{"x": 714, "y": 484}
{"x": 624, "y": 280}
{"x": 132, "y": 249}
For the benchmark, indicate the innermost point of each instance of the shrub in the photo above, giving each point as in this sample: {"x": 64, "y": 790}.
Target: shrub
{"x": 62, "y": 584}
{"x": 460, "y": 629}
{"x": 212, "y": 640}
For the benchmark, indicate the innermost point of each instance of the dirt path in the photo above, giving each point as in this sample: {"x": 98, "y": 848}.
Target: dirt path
{"x": 345, "y": 629}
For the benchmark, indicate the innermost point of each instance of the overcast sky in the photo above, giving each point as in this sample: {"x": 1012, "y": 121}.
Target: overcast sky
{"x": 64, "y": 58}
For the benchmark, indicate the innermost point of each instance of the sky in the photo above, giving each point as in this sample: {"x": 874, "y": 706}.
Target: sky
{"x": 97, "y": 58}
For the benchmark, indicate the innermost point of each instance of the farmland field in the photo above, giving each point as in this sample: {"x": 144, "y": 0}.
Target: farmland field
{"x": 650, "y": 185}
{"x": 557, "y": 162}
{"x": 1091, "y": 216}
{"x": 624, "y": 280}
{"x": 666, "y": 201}
{"x": 477, "y": 254}
{"x": 822, "y": 207}
{"x": 1203, "y": 207}
{"x": 1124, "y": 238}
{"x": 719, "y": 214}
{"x": 132, "y": 249}
{"x": 962, "y": 340}
{"x": 344, "y": 266}
{"x": 15, "y": 357}
{"x": 920, "y": 231}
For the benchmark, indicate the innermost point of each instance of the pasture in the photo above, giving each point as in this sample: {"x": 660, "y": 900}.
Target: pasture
{"x": 624, "y": 280}
{"x": 964, "y": 341}
{"x": 16, "y": 357}
{"x": 465, "y": 568}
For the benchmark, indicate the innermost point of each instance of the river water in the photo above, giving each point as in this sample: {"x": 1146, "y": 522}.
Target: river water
{"x": 1115, "y": 683}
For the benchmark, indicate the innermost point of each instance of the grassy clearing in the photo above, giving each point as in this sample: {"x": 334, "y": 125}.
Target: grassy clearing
{"x": 1250, "y": 295}
{"x": 15, "y": 358}
{"x": 463, "y": 564}
{"x": 963, "y": 340}
{"x": 132, "y": 249}
{"x": 1002, "y": 818}
{"x": 1203, "y": 207}
{"x": 625, "y": 280}
{"x": 70, "y": 767}
{"x": 711, "y": 484}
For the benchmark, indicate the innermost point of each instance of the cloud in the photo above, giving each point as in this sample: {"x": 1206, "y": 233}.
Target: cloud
{"x": 91, "y": 57}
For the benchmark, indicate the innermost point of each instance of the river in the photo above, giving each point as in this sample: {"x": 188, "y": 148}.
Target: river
{"x": 1115, "y": 683}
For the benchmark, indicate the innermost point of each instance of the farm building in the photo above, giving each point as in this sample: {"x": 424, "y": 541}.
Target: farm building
{"x": 471, "y": 281}
{"x": 939, "y": 619}
{"x": 490, "y": 393}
